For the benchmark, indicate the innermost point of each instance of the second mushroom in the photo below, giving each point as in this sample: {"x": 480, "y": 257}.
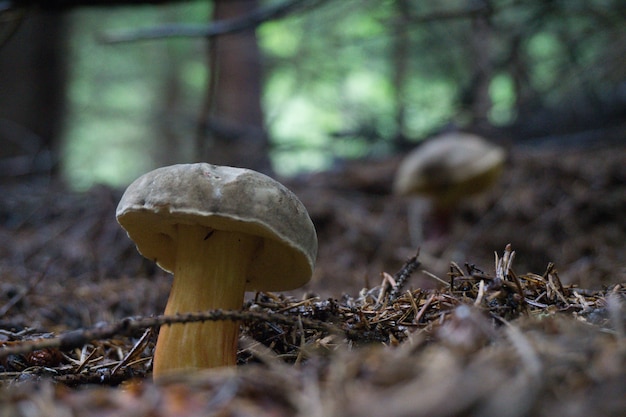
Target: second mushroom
{"x": 445, "y": 170}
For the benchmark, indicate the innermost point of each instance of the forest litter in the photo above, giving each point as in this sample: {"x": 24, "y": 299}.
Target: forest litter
{"x": 489, "y": 344}
{"x": 378, "y": 332}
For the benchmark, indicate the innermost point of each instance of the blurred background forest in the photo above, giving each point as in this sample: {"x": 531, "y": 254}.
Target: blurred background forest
{"x": 327, "y": 96}
{"x": 100, "y": 92}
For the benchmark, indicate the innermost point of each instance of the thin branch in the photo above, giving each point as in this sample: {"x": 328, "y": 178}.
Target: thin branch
{"x": 63, "y": 5}
{"x": 78, "y": 338}
{"x": 222, "y": 27}
{"x": 469, "y": 12}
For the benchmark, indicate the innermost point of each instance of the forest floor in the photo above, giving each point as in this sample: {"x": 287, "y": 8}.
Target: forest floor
{"x": 540, "y": 332}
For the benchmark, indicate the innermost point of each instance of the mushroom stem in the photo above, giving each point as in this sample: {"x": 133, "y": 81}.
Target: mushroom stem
{"x": 440, "y": 222}
{"x": 210, "y": 273}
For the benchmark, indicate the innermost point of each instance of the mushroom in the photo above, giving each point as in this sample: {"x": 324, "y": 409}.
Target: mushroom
{"x": 221, "y": 231}
{"x": 445, "y": 170}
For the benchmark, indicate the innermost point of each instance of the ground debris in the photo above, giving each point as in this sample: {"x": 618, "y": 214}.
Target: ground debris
{"x": 79, "y": 307}
{"x": 528, "y": 339}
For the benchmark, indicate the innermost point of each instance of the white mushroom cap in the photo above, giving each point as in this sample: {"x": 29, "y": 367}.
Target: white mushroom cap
{"x": 449, "y": 167}
{"x": 228, "y": 199}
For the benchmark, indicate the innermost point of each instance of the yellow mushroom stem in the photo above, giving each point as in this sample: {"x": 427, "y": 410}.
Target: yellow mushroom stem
{"x": 210, "y": 273}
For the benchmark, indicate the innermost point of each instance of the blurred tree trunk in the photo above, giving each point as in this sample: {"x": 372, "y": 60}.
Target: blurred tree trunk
{"x": 32, "y": 95}
{"x": 169, "y": 149}
{"x": 401, "y": 53}
{"x": 479, "y": 100}
{"x": 231, "y": 131}
{"x": 172, "y": 146}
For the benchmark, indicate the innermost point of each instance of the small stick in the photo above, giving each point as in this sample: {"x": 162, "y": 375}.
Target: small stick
{"x": 388, "y": 282}
{"x": 403, "y": 275}
{"x": 550, "y": 276}
{"x": 435, "y": 277}
{"x": 520, "y": 290}
{"x": 86, "y": 360}
{"x": 139, "y": 346}
{"x": 504, "y": 271}
{"x": 77, "y": 338}
{"x": 481, "y": 293}
{"x": 422, "y": 311}
{"x": 414, "y": 302}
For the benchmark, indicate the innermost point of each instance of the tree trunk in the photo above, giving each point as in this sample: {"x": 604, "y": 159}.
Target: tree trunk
{"x": 231, "y": 131}
{"x": 32, "y": 95}
{"x": 481, "y": 45}
{"x": 401, "y": 58}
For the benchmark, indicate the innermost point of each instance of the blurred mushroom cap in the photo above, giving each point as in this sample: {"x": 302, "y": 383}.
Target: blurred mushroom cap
{"x": 449, "y": 167}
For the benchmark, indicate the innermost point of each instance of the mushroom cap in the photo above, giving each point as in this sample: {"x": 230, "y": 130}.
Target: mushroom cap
{"x": 222, "y": 198}
{"x": 450, "y": 166}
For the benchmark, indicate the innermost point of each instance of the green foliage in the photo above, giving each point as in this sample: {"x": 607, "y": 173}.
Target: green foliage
{"x": 332, "y": 87}
{"x": 116, "y": 92}
{"x": 502, "y": 92}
